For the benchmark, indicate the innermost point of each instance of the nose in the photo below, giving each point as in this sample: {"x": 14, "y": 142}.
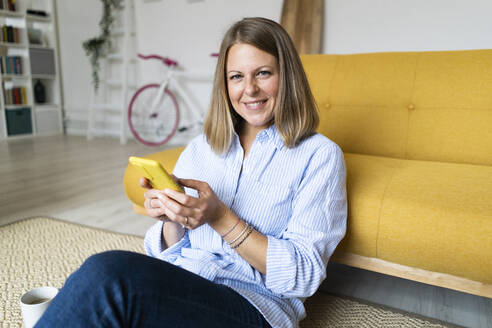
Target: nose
{"x": 251, "y": 87}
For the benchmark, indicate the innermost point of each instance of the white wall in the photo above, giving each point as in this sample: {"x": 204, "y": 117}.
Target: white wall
{"x": 189, "y": 30}
{"x": 77, "y": 22}
{"x": 359, "y": 26}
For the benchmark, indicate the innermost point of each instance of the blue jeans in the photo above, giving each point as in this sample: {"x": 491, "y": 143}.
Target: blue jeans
{"x": 124, "y": 289}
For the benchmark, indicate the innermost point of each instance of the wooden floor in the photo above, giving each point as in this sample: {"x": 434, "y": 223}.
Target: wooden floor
{"x": 70, "y": 178}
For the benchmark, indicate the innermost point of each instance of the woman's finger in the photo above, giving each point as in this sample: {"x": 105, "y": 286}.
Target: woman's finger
{"x": 153, "y": 203}
{"x": 190, "y": 223}
{"x": 172, "y": 216}
{"x": 154, "y": 193}
{"x": 174, "y": 178}
{"x": 154, "y": 212}
{"x": 144, "y": 183}
{"x": 195, "y": 184}
{"x": 156, "y": 203}
{"x": 176, "y": 207}
{"x": 182, "y": 198}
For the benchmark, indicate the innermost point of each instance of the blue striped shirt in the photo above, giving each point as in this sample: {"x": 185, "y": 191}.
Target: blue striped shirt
{"x": 294, "y": 196}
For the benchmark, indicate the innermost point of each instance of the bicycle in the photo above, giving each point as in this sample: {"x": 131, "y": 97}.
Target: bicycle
{"x": 153, "y": 112}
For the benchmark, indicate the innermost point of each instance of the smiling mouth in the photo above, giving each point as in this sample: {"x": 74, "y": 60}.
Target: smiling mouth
{"x": 255, "y": 104}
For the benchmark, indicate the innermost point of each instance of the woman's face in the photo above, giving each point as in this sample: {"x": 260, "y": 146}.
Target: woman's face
{"x": 252, "y": 82}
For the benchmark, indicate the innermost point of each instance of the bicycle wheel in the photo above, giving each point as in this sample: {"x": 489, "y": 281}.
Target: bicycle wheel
{"x": 153, "y": 126}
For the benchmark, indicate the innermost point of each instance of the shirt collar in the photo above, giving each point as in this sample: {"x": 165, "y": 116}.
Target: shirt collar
{"x": 271, "y": 134}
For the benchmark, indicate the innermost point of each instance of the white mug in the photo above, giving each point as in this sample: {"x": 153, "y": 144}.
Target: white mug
{"x": 34, "y": 303}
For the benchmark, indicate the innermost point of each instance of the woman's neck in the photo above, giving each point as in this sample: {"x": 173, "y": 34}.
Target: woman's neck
{"x": 247, "y": 135}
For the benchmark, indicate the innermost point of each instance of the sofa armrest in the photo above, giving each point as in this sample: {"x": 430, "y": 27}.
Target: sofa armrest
{"x": 134, "y": 192}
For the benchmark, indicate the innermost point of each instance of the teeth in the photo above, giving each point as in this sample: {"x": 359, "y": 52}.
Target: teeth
{"x": 255, "y": 104}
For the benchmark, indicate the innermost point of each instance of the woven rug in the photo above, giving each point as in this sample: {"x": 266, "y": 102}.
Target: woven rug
{"x": 43, "y": 251}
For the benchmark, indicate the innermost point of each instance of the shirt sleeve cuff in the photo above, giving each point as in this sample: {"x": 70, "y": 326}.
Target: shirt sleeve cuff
{"x": 281, "y": 265}
{"x": 153, "y": 239}
{"x": 170, "y": 254}
{"x": 153, "y": 244}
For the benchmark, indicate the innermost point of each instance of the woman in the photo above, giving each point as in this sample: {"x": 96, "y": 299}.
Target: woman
{"x": 264, "y": 209}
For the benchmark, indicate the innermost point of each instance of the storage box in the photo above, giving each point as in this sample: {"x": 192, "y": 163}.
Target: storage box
{"x": 42, "y": 61}
{"x": 47, "y": 121}
{"x": 18, "y": 121}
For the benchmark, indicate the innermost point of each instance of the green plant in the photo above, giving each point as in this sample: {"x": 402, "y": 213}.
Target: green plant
{"x": 98, "y": 47}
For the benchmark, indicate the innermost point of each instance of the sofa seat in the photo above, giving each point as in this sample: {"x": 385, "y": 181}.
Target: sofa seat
{"x": 421, "y": 214}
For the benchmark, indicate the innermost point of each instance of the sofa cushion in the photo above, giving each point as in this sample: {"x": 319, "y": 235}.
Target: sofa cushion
{"x": 367, "y": 180}
{"x": 414, "y": 105}
{"x": 453, "y": 108}
{"x": 363, "y": 100}
{"x": 437, "y": 217}
{"x": 429, "y": 215}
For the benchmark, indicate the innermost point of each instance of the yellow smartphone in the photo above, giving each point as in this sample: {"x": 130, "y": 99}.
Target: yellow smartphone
{"x": 155, "y": 173}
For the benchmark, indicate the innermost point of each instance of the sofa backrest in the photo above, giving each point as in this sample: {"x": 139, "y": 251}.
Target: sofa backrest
{"x": 416, "y": 105}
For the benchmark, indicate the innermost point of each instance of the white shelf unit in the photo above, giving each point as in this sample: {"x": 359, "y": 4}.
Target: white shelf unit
{"x": 38, "y": 50}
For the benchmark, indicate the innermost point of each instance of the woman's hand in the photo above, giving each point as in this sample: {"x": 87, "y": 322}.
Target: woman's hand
{"x": 154, "y": 204}
{"x": 154, "y": 200}
{"x": 207, "y": 208}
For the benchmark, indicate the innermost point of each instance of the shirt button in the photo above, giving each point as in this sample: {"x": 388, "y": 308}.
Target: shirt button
{"x": 327, "y": 105}
{"x": 411, "y": 107}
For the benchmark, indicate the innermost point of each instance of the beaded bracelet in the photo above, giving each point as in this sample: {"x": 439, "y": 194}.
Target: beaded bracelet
{"x": 228, "y": 232}
{"x": 239, "y": 236}
{"x": 245, "y": 237}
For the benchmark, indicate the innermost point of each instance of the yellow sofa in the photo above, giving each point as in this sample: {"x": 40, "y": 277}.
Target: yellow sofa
{"x": 416, "y": 130}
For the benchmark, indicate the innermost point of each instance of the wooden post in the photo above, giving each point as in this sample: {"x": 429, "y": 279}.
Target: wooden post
{"x": 303, "y": 20}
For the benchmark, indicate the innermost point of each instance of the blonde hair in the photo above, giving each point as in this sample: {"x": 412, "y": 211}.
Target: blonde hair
{"x": 295, "y": 113}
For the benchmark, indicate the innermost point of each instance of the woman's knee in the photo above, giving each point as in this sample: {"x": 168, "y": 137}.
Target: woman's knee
{"x": 108, "y": 264}
{"x": 127, "y": 268}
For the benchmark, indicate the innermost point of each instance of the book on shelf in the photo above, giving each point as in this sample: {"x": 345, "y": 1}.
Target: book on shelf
{"x": 16, "y": 35}
{"x": 15, "y": 96}
{"x": 7, "y": 5}
{"x": 18, "y": 65}
{"x": 35, "y": 12}
{"x": 11, "y": 65}
{"x": 23, "y": 95}
{"x": 10, "y": 34}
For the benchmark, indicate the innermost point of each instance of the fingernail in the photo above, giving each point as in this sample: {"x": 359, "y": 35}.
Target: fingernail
{"x": 167, "y": 191}
{"x": 160, "y": 196}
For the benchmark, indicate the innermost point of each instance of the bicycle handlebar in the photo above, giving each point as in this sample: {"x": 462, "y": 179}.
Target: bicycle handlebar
{"x": 165, "y": 60}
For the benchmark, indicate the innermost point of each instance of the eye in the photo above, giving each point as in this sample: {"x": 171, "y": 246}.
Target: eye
{"x": 235, "y": 77}
{"x": 264, "y": 73}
